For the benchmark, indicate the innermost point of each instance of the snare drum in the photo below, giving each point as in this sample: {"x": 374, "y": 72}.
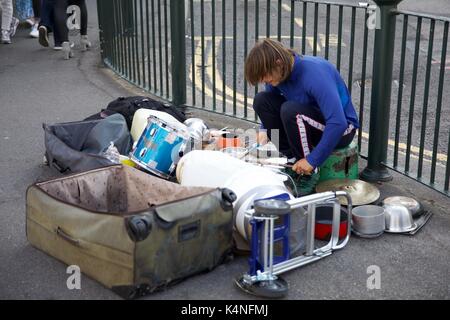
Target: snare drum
{"x": 160, "y": 147}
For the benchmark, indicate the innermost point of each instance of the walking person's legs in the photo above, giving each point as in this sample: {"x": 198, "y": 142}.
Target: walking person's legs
{"x": 7, "y": 12}
{"x": 60, "y": 26}
{"x": 37, "y": 4}
{"x": 84, "y": 40}
{"x": 46, "y": 25}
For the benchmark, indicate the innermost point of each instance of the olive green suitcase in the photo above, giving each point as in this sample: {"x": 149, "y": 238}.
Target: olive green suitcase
{"x": 132, "y": 232}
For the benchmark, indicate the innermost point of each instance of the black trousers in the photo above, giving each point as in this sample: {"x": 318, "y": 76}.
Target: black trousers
{"x": 294, "y": 128}
{"x": 60, "y": 18}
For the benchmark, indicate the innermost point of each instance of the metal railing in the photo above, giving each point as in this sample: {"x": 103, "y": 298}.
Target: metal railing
{"x": 192, "y": 53}
{"x": 420, "y": 140}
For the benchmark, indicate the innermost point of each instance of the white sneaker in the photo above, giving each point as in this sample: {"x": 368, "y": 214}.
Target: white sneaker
{"x": 6, "y": 39}
{"x": 59, "y": 47}
{"x": 85, "y": 43}
{"x": 67, "y": 50}
{"x": 34, "y": 31}
{"x": 13, "y": 26}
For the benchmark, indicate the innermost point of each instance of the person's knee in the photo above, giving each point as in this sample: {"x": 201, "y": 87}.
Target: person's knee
{"x": 260, "y": 99}
{"x": 290, "y": 110}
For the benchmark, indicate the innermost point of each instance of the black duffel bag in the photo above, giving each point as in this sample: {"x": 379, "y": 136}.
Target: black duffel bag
{"x": 127, "y": 106}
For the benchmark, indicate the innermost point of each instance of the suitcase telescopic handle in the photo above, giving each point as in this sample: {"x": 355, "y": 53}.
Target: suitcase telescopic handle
{"x": 66, "y": 237}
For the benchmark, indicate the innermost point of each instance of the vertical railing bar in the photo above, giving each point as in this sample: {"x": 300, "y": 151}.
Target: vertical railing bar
{"x": 268, "y": 19}
{"x": 113, "y": 38}
{"x": 413, "y": 94}
{"x": 123, "y": 41}
{"x": 292, "y": 31}
{"x": 327, "y": 32}
{"x": 119, "y": 36}
{"x": 425, "y": 99}
{"x": 339, "y": 49}
{"x": 147, "y": 22}
{"x": 256, "y": 40}
{"x": 213, "y": 31}
{"x": 352, "y": 51}
{"x": 305, "y": 8}
{"x": 234, "y": 55}
{"x": 129, "y": 44}
{"x": 123, "y": 37}
{"x": 155, "y": 77}
{"x": 178, "y": 51}
{"x": 141, "y": 15}
{"x": 103, "y": 24}
{"x": 101, "y": 28}
{"x": 400, "y": 90}
{"x": 133, "y": 44}
{"x": 191, "y": 7}
{"x": 160, "y": 53}
{"x": 279, "y": 21}
{"x": 224, "y": 62}
{"x": 316, "y": 18}
{"x": 245, "y": 54}
{"x": 202, "y": 43}
{"x": 136, "y": 43}
{"x": 110, "y": 33}
{"x": 363, "y": 81}
{"x": 166, "y": 35}
{"x": 439, "y": 106}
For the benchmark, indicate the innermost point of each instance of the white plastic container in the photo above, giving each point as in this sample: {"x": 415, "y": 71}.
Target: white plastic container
{"x": 249, "y": 182}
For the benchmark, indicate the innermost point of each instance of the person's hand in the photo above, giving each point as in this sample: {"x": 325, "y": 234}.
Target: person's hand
{"x": 302, "y": 166}
{"x": 262, "y": 138}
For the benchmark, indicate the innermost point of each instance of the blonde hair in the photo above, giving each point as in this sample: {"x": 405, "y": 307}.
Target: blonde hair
{"x": 265, "y": 57}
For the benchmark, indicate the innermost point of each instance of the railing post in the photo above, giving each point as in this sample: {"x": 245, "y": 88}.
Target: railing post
{"x": 177, "y": 34}
{"x": 381, "y": 92}
{"x": 100, "y": 15}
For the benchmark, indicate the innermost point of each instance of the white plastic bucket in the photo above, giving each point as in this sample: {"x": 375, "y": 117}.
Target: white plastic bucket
{"x": 249, "y": 182}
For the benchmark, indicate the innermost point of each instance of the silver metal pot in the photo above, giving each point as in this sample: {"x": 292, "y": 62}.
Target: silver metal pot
{"x": 398, "y": 218}
{"x": 412, "y": 204}
{"x": 368, "y": 220}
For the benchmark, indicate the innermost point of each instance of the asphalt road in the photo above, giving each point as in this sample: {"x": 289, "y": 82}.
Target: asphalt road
{"x": 37, "y": 86}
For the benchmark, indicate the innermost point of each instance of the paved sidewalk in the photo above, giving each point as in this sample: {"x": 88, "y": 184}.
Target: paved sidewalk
{"x": 37, "y": 85}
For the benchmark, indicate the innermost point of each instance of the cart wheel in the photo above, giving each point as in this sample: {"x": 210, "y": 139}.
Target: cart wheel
{"x": 277, "y": 288}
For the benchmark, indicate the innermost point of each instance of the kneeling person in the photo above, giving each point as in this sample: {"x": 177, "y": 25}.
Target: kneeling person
{"x": 305, "y": 99}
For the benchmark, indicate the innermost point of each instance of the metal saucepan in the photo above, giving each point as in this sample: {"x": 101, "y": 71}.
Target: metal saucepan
{"x": 412, "y": 204}
{"x": 368, "y": 220}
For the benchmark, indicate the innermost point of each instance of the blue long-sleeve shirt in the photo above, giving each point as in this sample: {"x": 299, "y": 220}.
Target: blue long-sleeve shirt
{"x": 315, "y": 81}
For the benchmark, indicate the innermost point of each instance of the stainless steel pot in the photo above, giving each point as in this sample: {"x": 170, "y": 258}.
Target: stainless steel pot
{"x": 398, "y": 218}
{"x": 412, "y": 204}
{"x": 368, "y": 220}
